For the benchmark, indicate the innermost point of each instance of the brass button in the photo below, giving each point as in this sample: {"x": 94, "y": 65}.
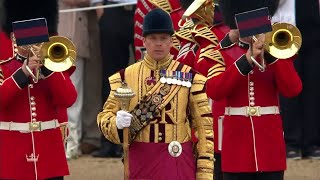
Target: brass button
{"x": 252, "y": 111}
{"x": 160, "y": 138}
{"x": 160, "y": 134}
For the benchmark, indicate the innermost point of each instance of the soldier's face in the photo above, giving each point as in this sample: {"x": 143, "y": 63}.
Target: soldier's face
{"x": 158, "y": 45}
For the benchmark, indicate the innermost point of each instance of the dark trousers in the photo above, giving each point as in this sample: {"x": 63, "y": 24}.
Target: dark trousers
{"x": 300, "y": 114}
{"x": 56, "y": 178}
{"x": 218, "y": 175}
{"x": 254, "y": 176}
{"x": 116, "y": 36}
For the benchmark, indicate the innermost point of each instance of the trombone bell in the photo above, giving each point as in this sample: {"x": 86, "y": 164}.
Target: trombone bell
{"x": 59, "y": 54}
{"x": 284, "y": 41}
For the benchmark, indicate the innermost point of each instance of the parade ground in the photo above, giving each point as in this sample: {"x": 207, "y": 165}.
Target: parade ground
{"x": 88, "y": 168}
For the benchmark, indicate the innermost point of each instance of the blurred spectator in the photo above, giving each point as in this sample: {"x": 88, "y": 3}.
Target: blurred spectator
{"x": 74, "y": 25}
{"x": 116, "y": 36}
{"x": 300, "y": 114}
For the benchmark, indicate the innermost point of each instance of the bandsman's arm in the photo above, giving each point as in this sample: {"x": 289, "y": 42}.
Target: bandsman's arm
{"x": 223, "y": 80}
{"x": 11, "y": 86}
{"x": 202, "y": 123}
{"x": 107, "y": 118}
{"x": 288, "y": 81}
{"x": 61, "y": 87}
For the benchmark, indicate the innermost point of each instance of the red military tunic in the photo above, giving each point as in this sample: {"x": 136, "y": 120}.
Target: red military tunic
{"x": 22, "y": 101}
{"x": 252, "y": 143}
{"x": 208, "y": 39}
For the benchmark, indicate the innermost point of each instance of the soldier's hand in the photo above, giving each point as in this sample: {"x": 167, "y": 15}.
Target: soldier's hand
{"x": 257, "y": 49}
{"x": 33, "y": 64}
{"x": 123, "y": 119}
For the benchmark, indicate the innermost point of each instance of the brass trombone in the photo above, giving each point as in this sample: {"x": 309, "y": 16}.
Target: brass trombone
{"x": 57, "y": 55}
{"x": 284, "y": 41}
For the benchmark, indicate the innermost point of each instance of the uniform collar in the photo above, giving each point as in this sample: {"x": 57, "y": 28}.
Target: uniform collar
{"x": 157, "y": 65}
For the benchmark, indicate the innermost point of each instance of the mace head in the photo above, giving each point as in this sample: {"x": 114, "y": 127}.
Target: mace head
{"x": 124, "y": 92}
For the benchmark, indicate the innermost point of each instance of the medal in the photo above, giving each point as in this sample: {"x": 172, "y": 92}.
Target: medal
{"x": 179, "y": 77}
{"x": 174, "y": 77}
{"x": 169, "y": 79}
{"x": 189, "y": 79}
{"x": 163, "y": 74}
{"x": 163, "y": 80}
{"x": 188, "y": 84}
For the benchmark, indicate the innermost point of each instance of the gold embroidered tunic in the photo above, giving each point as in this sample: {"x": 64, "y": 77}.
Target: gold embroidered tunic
{"x": 184, "y": 109}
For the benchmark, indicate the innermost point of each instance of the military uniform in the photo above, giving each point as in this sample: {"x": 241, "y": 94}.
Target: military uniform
{"x": 252, "y": 125}
{"x": 172, "y": 124}
{"x": 35, "y": 129}
{"x": 32, "y": 115}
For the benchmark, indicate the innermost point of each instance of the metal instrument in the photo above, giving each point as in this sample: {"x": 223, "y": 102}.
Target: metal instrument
{"x": 125, "y": 94}
{"x": 283, "y": 42}
{"x": 202, "y": 10}
{"x": 57, "y": 55}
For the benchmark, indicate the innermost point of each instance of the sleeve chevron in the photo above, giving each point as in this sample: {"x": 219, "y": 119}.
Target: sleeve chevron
{"x": 206, "y": 33}
{"x": 216, "y": 70}
{"x": 210, "y": 53}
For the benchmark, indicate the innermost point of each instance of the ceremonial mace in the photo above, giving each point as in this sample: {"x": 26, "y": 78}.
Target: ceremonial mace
{"x": 124, "y": 95}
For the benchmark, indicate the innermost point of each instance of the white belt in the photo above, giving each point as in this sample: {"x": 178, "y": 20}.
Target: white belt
{"x": 30, "y": 126}
{"x": 251, "y": 111}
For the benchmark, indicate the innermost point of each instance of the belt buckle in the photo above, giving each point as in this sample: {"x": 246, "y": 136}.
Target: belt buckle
{"x": 35, "y": 126}
{"x": 253, "y": 111}
{"x": 175, "y": 149}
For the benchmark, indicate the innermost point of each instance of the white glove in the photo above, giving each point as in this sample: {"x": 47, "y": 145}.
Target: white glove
{"x": 123, "y": 119}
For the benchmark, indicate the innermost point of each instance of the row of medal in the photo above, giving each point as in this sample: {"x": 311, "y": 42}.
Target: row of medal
{"x": 176, "y": 77}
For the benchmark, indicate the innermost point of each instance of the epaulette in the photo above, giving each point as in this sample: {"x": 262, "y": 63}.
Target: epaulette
{"x": 210, "y": 53}
{"x": 185, "y": 31}
{"x": 184, "y": 34}
{"x": 202, "y": 31}
{"x": 218, "y": 68}
{"x": 162, "y": 4}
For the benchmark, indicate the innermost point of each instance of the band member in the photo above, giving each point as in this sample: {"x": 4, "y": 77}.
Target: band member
{"x": 170, "y": 100}
{"x": 31, "y": 114}
{"x": 252, "y": 125}
{"x": 207, "y": 32}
